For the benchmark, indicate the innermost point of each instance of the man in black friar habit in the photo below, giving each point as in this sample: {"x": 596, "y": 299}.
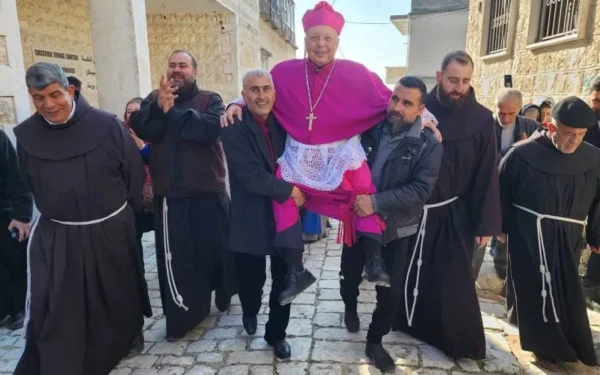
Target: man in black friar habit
{"x": 463, "y": 210}
{"x": 16, "y": 207}
{"x": 252, "y": 146}
{"x": 550, "y": 187}
{"x": 191, "y": 205}
{"x": 591, "y": 279}
{"x": 86, "y": 293}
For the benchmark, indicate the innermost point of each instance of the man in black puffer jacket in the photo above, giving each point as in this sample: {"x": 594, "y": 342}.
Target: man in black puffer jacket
{"x": 404, "y": 161}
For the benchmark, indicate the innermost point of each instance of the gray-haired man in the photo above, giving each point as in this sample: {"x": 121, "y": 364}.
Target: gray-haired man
{"x": 252, "y": 146}
{"x": 85, "y": 290}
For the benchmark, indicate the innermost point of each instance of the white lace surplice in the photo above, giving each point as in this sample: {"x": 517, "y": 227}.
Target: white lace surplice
{"x": 320, "y": 167}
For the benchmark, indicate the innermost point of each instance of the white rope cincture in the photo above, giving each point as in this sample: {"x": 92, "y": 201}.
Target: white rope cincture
{"x": 544, "y": 268}
{"x": 177, "y": 298}
{"x": 31, "y": 233}
{"x": 419, "y": 246}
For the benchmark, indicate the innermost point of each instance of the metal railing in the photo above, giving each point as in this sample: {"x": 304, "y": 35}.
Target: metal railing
{"x": 498, "y": 27}
{"x": 559, "y": 18}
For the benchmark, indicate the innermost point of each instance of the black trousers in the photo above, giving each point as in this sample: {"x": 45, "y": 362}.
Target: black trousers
{"x": 13, "y": 271}
{"x": 396, "y": 256}
{"x": 251, "y": 273}
{"x": 143, "y": 223}
{"x": 593, "y": 268}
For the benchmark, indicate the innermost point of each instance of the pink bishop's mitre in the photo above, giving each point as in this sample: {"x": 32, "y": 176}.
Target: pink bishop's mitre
{"x": 323, "y": 14}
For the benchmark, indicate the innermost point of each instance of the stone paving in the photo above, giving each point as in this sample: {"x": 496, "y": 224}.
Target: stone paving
{"x": 320, "y": 343}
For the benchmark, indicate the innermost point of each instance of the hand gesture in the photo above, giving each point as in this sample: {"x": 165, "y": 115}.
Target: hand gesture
{"x": 227, "y": 119}
{"x": 595, "y": 250}
{"x": 166, "y": 94}
{"x": 138, "y": 142}
{"x": 23, "y": 229}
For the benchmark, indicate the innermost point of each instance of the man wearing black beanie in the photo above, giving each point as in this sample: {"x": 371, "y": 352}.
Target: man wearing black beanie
{"x": 550, "y": 190}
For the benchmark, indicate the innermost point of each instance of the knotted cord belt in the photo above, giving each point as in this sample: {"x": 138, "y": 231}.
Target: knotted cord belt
{"x": 544, "y": 269}
{"x": 177, "y": 298}
{"x": 419, "y": 246}
{"x": 33, "y": 228}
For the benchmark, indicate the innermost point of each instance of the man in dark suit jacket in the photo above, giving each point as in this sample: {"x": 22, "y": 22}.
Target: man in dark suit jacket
{"x": 252, "y": 147}
{"x": 591, "y": 280}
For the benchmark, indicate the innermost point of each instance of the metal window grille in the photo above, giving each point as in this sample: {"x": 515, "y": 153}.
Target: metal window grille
{"x": 498, "y": 31}
{"x": 559, "y": 18}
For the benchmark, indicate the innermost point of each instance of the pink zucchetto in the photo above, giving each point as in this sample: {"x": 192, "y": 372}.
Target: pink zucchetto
{"x": 323, "y": 14}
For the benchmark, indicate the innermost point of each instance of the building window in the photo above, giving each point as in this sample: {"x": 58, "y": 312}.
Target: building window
{"x": 498, "y": 26}
{"x": 559, "y": 18}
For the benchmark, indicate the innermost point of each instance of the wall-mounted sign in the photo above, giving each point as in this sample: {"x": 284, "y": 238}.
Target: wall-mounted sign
{"x": 73, "y": 64}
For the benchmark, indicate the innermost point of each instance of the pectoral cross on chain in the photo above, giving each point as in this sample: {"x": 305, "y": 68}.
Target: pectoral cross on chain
{"x": 310, "y": 119}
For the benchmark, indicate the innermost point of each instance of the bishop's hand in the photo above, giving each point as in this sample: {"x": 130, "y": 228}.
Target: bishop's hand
{"x": 428, "y": 120}
{"x": 482, "y": 241}
{"x": 166, "y": 94}
{"x": 227, "y": 119}
{"x": 595, "y": 250}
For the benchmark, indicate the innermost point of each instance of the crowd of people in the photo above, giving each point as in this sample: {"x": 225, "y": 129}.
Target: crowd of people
{"x": 419, "y": 180}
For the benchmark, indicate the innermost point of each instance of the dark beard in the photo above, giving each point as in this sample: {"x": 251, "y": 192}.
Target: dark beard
{"x": 395, "y": 127}
{"x": 447, "y": 101}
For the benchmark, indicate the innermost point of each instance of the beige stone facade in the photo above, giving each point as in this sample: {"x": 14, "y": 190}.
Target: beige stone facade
{"x": 226, "y": 37}
{"x": 273, "y": 47}
{"x": 210, "y": 37}
{"x": 394, "y": 73}
{"x": 556, "y": 67}
{"x": 59, "y": 27}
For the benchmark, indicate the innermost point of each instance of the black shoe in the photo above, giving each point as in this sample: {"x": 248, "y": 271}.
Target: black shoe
{"x": 250, "y": 323}
{"x": 296, "y": 282}
{"x": 380, "y": 358}
{"x": 222, "y": 301}
{"x": 16, "y": 321}
{"x": 375, "y": 268}
{"x": 281, "y": 349}
{"x": 351, "y": 321}
{"x": 137, "y": 346}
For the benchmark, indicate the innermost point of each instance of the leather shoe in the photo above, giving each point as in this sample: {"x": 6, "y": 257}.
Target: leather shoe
{"x": 16, "y": 321}
{"x": 281, "y": 349}
{"x": 351, "y": 321}
{"x": 380, "y": 358}
{"x": 137, "y": 346}
{"x": 250, "y": 323}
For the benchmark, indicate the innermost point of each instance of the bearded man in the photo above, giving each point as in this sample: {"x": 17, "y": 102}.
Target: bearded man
{"x": 191, "y": 206}
{"x": 441, "y": 306}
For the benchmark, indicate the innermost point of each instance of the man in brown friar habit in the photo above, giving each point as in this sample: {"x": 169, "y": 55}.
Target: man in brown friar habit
{"x": 440, "y": 301}
{"x": 86, "y": 293}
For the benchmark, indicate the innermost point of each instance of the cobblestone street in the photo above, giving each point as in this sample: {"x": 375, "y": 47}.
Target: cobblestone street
{"x": 320, "y": 343}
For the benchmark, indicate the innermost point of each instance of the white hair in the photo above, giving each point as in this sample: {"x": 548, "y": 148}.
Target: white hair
{"x": 256, "y": 73}
{"x": 509, "y": 94}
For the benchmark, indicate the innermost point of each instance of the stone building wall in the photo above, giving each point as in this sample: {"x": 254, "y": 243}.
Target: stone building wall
{"x": 61, "y": 26}
{"x": 557, "y": 71}
{"x": 272, "y": 42}
{"x": 249, "y": 46}
{"x": 14, "y": 100}
{"x": 210, "y": 37}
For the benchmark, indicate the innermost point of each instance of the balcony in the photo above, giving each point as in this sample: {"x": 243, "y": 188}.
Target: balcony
{"x": 280, "y": 14}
